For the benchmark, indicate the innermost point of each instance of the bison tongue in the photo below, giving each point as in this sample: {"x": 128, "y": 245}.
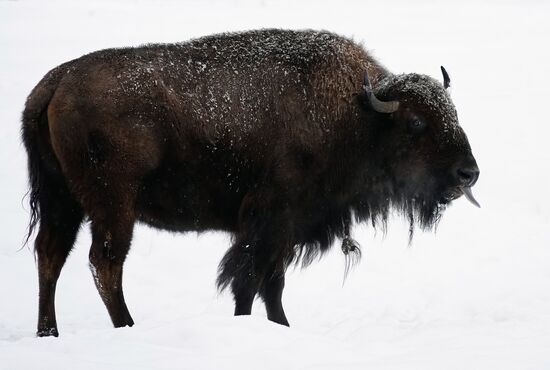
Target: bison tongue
{"x": 468, "y": 194}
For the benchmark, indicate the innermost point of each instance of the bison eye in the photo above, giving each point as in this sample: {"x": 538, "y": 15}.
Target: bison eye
{"x": 416, "y": 125}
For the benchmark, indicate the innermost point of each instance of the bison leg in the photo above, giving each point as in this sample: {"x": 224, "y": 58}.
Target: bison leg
{"x": 111, "y": 238}
{"x": 272, "y": 293}
{"x": 256, "y": 273}
{"x": 59, "y": 226}
{"x": 239, "y": 268}
{"x": 261, "y": 248}
{"x": 244, "y": 298}
{"x": 244, "y": 266}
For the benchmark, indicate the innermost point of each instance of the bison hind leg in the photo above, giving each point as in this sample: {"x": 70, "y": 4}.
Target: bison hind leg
{"x": 112, "y": 224}
{"x": 60, "y": 219}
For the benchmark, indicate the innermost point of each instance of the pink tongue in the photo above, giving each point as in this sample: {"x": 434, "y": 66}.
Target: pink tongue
{"x": 468, "y": 194}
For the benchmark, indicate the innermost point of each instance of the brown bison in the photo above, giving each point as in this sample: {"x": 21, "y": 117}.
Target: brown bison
{"x": 281, "y": 138}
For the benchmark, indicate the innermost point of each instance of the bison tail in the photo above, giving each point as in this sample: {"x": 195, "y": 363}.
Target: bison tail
{"x": 35, "y": 137}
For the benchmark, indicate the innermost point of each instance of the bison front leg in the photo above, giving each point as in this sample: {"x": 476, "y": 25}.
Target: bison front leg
{"x": 255, "y": 271}
{"x": 272, "y": 293}
{"x": 241, "y": 270}
{"x": 244, "y": 291}
{"x": 256, "y": 261}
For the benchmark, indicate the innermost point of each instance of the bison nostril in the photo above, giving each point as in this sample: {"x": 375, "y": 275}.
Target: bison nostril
{"x": 468, "y": 176}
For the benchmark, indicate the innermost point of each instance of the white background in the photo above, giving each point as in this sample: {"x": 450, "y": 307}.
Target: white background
{"x": 475, "y": 295}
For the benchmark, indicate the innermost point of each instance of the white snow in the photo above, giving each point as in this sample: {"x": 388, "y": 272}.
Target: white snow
{"x": 476, "y": 295}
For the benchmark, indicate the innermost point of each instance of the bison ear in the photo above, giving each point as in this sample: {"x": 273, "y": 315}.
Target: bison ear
{"x": 446, "y": 78}
{"x": 378, "y": 105}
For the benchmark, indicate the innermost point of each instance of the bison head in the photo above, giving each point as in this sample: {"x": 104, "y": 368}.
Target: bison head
{"x": 425, "y": 152}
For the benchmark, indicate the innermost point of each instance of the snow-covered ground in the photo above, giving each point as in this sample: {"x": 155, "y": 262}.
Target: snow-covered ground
{"x": 476, "y": 295}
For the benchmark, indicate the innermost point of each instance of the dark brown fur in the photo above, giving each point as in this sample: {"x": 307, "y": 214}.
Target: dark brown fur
{"x": 264, "y": 134}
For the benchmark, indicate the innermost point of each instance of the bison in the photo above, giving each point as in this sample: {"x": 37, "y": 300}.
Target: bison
{"x": 281, "y": 138}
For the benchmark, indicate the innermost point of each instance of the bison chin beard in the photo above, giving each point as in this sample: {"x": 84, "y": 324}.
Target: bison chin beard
{"x": 422, "y": 205}
{"x": 423, "y": 211}
{"x": 423, "y": 200}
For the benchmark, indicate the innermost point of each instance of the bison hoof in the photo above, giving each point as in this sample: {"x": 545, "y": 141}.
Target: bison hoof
{"x": 47, "y": 332}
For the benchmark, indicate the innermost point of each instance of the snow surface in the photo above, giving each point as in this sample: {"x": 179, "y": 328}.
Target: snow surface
{"x": 476, "y": 295}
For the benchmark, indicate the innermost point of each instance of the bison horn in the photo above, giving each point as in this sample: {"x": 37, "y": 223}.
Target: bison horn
{"x": 446, "y": 78}
{"x": 378, "y": 105}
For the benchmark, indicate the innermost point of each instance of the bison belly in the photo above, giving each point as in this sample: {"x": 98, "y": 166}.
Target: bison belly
{"x": 182, "y": 198}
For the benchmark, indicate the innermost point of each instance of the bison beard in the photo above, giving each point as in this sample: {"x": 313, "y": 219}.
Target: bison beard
{"x": 284, "y": 139}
